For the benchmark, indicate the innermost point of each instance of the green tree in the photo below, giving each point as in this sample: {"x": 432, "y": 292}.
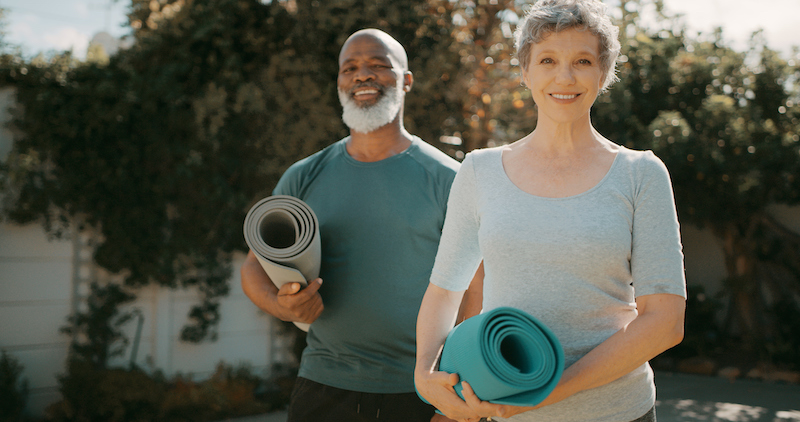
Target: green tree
{"x": 155, "y": 151}
{"x": 497, "y": 108}
{"x": 161, "y": 150}
{"x": 732, "y": 156}
{"x": 725, "y": 123}
{"x": 96, "y": 334}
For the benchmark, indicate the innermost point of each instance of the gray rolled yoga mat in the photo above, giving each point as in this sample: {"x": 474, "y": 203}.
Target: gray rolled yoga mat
{"x": 283, "y": 233}
{"x": 506, "y": 355}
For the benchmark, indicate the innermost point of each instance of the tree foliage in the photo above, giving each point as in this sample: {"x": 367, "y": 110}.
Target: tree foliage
{"x": 96, "y": 333}
{"x": 162, "y": 149}
{"x": 13, "y": 389}
{"x": 726, "y": 125}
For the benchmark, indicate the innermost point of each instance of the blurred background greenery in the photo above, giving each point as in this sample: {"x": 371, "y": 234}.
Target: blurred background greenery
{"x": 163, "y": 146}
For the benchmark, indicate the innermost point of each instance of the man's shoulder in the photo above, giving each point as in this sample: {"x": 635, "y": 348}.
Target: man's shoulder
{"x": 303, "y": 172}
{"x": 433, "y": 159}
{"x": 317, "y": 159}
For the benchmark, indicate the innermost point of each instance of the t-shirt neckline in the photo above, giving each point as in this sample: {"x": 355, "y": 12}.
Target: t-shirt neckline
{"x": 508, "y": 181}
{"x": 348, "y": 158}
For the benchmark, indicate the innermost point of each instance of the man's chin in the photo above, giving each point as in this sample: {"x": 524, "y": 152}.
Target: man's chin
{"x": 363, "y": 104}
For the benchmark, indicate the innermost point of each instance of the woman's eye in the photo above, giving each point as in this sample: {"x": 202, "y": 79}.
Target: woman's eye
{"x": 584, "y": 61}
{"x": 546, "y": 61}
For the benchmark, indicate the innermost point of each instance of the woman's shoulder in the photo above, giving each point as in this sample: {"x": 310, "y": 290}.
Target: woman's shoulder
{"x": 482, "y": 156}
{"x": 643, "y": 166}
{"x": 642, "y": 159}
{"x": 484, "y": 163}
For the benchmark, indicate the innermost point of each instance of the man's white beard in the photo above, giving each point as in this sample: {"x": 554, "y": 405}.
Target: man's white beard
{"x": 368, "y": 118}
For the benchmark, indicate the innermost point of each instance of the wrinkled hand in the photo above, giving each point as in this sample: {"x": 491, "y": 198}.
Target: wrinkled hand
{"x": 437, "y": 388}
{"x": 489, "y": 409}
{"x": 300, "y": 305}
{"x": 478, "y": 406}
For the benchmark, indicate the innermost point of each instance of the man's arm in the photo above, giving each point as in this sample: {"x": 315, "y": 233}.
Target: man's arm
{"x": 290, "y": 303}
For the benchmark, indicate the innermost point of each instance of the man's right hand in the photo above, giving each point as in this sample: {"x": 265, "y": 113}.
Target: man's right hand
{"x": 300, "y": 304}
{"x": 290, "y": 303}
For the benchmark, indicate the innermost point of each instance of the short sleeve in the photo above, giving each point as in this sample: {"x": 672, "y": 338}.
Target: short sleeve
{"x": 459, "y": 253}
{"x": 656, "y": 251}
{"x": 289, "y": 182}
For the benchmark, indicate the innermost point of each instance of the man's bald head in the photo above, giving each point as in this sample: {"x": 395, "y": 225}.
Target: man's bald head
{"x": 394, "y": 48}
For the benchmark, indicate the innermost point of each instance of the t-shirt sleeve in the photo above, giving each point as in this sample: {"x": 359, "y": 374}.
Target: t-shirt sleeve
{"x": 656, "y": 251}
{"x": 289, "y": 183}
{"x": 444, "y": 184}
{"x": 459, "y": 254}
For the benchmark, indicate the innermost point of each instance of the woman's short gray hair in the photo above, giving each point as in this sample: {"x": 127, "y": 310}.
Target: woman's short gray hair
{"x": 549, "y": 16}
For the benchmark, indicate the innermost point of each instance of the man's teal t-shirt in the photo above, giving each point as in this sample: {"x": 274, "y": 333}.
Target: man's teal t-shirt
{"x": 380, "y": 225}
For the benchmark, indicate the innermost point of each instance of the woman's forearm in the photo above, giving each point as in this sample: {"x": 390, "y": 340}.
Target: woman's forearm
{"x": 658, "y": 327}
{"x": 437, "y": 316}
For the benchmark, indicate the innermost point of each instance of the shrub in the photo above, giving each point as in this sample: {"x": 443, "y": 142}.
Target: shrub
{"x": 120, "y": 395}
{"x": 91, "y": 394}
{"x": 13, "y": 390}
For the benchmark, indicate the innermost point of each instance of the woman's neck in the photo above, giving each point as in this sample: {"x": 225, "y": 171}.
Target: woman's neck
{"x": 563, "y": 139}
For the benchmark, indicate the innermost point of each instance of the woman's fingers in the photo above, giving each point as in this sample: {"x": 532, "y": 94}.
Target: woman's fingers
{"x": 443, "y": 378}
{"x": 437, "y": 388}
{"x": 483, "y": 408}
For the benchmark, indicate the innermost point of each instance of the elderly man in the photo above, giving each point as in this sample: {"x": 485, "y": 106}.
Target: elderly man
{"x": 380, "y": 195}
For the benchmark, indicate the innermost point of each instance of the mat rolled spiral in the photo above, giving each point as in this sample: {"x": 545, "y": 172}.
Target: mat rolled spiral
{"x": 283, "y": 233}
{"x": 506, "y": 355}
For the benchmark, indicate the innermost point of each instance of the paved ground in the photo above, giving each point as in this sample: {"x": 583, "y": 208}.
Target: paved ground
{"x": 684, "y": 397}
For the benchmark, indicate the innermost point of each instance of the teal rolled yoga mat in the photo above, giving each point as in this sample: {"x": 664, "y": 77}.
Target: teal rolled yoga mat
{"x": 506, "y": 355}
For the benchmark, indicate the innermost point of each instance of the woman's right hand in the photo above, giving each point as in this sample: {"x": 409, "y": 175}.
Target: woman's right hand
{"x": 436, "y": 318}
{"x": 437, "y": 388}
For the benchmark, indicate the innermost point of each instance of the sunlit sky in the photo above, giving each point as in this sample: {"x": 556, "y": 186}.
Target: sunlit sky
{"x": 46, "y": 25}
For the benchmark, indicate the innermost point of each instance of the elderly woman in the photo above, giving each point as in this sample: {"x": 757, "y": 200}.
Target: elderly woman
{"x": 572, "y": 228}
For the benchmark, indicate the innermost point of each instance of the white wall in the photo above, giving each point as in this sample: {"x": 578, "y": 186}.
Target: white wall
{"x": 35, "y": 277}
{"x": 245, "y": 334}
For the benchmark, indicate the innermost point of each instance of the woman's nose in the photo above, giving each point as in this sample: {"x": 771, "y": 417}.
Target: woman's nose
{"x": 565, "y": 75}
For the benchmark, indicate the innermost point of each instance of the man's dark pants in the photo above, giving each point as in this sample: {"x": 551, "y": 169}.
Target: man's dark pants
{"x": 315, "y": 402}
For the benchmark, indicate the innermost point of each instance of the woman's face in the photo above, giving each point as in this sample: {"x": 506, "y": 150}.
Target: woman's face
{"x": 564, "y": 75}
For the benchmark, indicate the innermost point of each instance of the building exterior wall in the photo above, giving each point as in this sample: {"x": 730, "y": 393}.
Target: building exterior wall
{"x": 35, "y": 300}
